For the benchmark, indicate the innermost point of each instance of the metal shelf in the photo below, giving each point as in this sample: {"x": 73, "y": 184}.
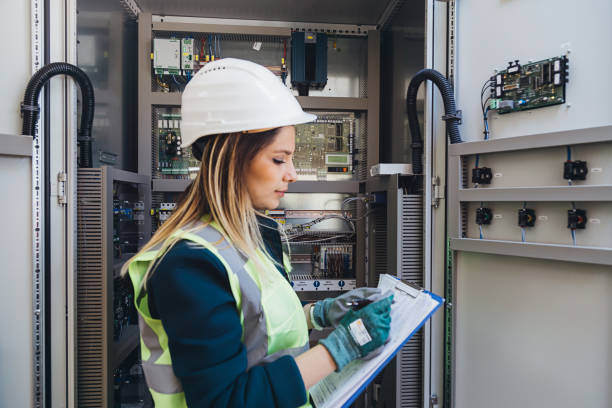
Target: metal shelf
{"x": 221, "y": 29}
{"x": 15, "y": 145}
{"x": 537, "y": 141}
{"x": 323, "y": 285}
{"x": 333, "y": 103}
{"x": 307, "y": 102}
{"x": 561, "y": 193}
{"x": 324, "y": 186}
{"x": 165, "y": 98}
{"x": 307, "y": 186}
{"x": 568, "y": 253}
{"x": 170, "y": 185}
{"x": 125, "y": 345}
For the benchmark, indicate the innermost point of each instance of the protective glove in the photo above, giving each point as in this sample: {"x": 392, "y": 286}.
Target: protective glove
{"x": 328, "y": 312}
{"x": 359, "y": 333}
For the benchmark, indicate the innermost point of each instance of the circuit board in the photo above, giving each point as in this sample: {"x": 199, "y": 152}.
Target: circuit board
{"x": 533, "y": 85}
{"x": 173, "y": 161}
{"x": 325, "y": 146}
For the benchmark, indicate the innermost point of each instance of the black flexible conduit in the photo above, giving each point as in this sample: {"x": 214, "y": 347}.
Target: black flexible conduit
{"x": 451, "y": 117}
{"x": 31, "y": 110}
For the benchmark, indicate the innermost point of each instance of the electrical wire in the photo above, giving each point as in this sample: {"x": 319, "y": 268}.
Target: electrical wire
{"x": 161, "y": 84}
{"x": 523, "y": 234}
{"x": 315, "y": 241}
{"x": 481, "y": 234}
{"x": 574, "y": 236}
{"x": 569, "y": 158}
{"x": 351, "y": 199}
{"x": 300, "y": 227}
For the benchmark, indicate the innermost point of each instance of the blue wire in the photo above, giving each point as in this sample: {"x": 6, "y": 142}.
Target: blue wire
{"x": 486, "y": 123}
{"x": 574, "y": 236}
{"x": 523, "y": 234}
{"x": 481, "y": 235}
{"x": 477, "y": 160}
{"x": 569, "y": 158}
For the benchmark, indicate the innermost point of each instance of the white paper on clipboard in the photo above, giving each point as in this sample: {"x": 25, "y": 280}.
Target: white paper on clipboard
{"x": 411, "y": 307}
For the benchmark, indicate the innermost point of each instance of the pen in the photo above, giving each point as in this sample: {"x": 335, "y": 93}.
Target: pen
{"x": 357, "y": 304}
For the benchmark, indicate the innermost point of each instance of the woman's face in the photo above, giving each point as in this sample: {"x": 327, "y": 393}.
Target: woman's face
{"x": 271, "y": 170}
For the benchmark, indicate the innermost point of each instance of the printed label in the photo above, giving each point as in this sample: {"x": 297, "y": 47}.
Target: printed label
{"x": 596, "y": 169}
{"x": 498, "y": 175}
{"x": 498, "y": 216}
{"x": 595, "y": 221}
{"x": 543, "y": 218}
{"x": 359, "y": 332}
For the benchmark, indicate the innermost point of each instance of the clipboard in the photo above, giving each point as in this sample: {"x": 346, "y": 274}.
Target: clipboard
{"x": 412, "y": 307}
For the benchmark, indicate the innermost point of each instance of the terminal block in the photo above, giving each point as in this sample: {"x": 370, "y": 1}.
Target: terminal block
{"x": 526, "y": 217}
{"x": 575, "y": 170}
{"x": 483, "y": 216}
{"x": 576, "y": 219}
{"x": 482, "y": 175}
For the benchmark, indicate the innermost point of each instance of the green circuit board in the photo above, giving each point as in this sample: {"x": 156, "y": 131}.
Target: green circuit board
{"x": 325, "y": 146}
{"x": 173, "y": 161}
{"x": 533, "y": 85}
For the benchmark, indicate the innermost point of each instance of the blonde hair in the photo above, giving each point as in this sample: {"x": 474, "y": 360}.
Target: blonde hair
{"x": 219, "y": 190}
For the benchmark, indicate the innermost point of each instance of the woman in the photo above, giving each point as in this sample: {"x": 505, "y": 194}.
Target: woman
{"x": 220, "y": 324}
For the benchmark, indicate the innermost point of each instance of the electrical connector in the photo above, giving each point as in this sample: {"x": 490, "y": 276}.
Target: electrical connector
{"x": 576, "y": 219}
{"x": 482, "y": 175}
{"x": 483, "y": 216}
{"x": 575, "y": 170}
{"x": 526, "y": 217}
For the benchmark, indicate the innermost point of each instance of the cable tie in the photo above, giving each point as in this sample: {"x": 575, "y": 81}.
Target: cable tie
{"x": 29, "y": 108}
{"x": 453, "y": 116}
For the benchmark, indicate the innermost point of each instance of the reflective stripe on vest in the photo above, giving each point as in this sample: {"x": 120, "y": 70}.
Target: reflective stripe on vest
{"x": 248, "y": 296}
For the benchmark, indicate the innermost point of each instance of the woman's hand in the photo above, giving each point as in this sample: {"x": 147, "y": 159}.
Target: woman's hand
{"x": 328, "y": 312}
{"x": 360, "y": 332}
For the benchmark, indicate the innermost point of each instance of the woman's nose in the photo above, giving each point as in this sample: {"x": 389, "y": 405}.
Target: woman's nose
{"x": 291, "y": 174}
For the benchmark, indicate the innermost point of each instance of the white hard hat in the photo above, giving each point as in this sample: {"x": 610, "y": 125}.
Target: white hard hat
{"x": 234, "y": 95}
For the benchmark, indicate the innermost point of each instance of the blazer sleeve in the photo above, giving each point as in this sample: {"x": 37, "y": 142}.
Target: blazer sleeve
{"x": 190, "y": 292}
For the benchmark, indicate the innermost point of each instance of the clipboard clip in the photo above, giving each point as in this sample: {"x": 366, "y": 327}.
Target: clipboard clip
{"x": 412, "y": 285}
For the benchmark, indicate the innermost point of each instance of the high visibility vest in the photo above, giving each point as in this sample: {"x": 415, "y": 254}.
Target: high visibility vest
{"x": 271, "y": 315}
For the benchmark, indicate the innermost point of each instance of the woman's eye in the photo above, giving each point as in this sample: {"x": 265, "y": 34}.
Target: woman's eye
{"x": 278, "y": 161}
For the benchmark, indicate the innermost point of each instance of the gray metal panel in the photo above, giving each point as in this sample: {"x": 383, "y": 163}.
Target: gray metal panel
{"x": 347, "y": 186}
{"x": 581, "y": 254}
{"x": 573, "y": 193}
{"x": 144, "y": 94}
{"x": 15, "y": 145}
{"x": 373, "y": 59}
{"x": 333, "y": 103}
{"x": 165, "y": 98}
{"x": 221, "y": 29}
{"x": 127, "y": 176}
{"x": 92, "y": 289}
{"x": 536, "y": 141}
{"x": 410, "y": 361}
{"x": 499, "y": 42}
{"x": 341, "y": 11}
{"x": 532, "y": 333}
{"x": 512, "y": 313}
{"x": 16, "y": 353}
